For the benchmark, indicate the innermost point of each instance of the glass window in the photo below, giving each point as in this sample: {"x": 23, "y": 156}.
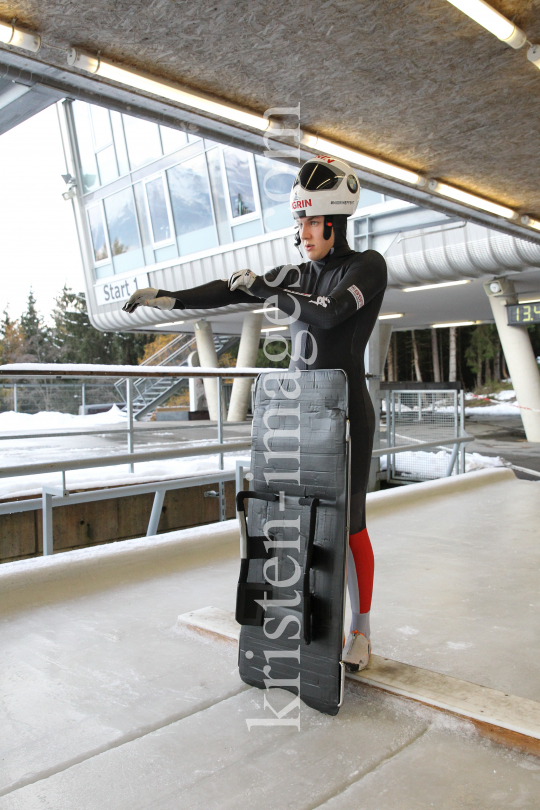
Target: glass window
{"x": 218, "y": 195}
{"x": 120, "y": 142}
{"x": 101, "y": 124}
{"x": 172, "y": 139}
{"x": 246, "y": 230}
{"x": 369, "y": 197}
{"x": 97, "y": 230}
{"x": 108, "y": 170}
{"x": 144, "y": 222}
{"x": 239, "y": 180}
{"x": 275, "y": 183}
{"x": 143, "y": 141}
{"x": 191, "y": 206}
{"x": 123, "y": 232}
{"x": 157, "y": 206}
{"x": 81, "y": 114}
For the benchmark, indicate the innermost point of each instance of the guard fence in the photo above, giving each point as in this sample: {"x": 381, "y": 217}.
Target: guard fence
{"x": 410, "y": 426}
{"x": 422, "y": 414}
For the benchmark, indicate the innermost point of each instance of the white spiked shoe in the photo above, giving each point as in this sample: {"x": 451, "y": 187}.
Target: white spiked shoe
{"x": 356, "y": 652}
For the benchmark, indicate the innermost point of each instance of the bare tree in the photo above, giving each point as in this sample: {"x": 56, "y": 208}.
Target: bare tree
{"x": 435, "y": 356}
{"x": 417, "y": 371}
{"x": 452, "y": 360}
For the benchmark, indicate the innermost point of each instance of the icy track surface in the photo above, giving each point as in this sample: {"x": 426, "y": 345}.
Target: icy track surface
{"x": 107, "y": 703}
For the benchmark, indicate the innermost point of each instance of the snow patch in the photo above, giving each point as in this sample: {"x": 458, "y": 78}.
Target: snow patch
{"x": 54, "y": 420}
{"x": 408, "y": 631}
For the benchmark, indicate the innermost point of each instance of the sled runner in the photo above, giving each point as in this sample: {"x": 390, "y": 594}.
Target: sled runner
{"x": 294, "y": 526}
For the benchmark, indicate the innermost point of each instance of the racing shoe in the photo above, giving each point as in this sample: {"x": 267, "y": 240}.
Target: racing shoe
{"x": 356, "y": 652}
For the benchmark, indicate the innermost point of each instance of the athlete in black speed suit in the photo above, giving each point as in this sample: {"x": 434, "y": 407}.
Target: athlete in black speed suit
{"x": 336, "y": 302}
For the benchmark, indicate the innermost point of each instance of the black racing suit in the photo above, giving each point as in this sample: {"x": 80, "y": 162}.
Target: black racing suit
{"x": 336, "y": 302}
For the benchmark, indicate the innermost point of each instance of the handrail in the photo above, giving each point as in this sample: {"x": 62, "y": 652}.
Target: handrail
{"x": 124, "y": 458}
{"x": 405, "y": 448}
{"x": 169, "y": 348}
{"x": 80, "y": 370}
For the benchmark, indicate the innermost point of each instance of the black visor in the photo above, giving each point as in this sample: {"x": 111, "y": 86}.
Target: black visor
{"x": 319, "y": 177}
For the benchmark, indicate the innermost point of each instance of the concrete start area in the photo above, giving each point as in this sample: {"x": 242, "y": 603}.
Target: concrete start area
{"x": 110, "y": 700}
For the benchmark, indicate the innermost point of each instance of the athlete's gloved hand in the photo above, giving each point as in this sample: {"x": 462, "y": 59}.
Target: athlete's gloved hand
{"x": 242, "y": 279}
{"x": 147, "y": 297}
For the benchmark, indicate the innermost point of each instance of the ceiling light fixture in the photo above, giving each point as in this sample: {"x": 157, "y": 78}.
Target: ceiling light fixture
{"x": 359, "y": 159}
{"x": 10, "y": 35}
{"x": 436, "y": 286}
{"x": 389, "y": 315}
{"x": 265, "y": 309}
{"x": 529, "y": 300}
{"x": 492, "y": 21}
{"x": 170, "y": 323}
{"x": 141, "y": 81}
{"x": 470, "y": 199}
{"x": 448, "y": 325}
{"x": 274, "y": 328}
{"x": 532, "y": 223}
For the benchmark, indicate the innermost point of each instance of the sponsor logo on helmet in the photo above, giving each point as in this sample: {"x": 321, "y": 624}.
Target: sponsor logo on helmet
{"x": 300, "y": 203}
{"x": 342, "y": 202}
{"x": 325, "y": 157}
{"x": 352, "y": 183}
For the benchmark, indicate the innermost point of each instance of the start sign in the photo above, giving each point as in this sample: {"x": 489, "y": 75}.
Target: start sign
{"x": 119, "y": 290}
{"x": 523, "y": 314}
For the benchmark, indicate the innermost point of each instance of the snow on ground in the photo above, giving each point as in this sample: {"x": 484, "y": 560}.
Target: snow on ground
{"x": 116, "y": 476}
{"x": 53, "y": 420}
{"x": 505, "y": 405}
{"x": 434, "y": 465}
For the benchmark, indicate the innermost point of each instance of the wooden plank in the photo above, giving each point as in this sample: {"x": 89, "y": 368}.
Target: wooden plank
{"x": 507, "y": 719}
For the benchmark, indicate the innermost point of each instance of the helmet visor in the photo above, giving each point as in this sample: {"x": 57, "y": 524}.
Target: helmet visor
{"x": 319, "y": 177}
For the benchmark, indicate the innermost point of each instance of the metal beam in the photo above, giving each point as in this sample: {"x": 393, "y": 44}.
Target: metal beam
{"x": 96, "y": 90}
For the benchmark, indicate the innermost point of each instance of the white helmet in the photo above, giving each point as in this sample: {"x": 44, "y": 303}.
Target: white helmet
{"x": 324, "y": 186}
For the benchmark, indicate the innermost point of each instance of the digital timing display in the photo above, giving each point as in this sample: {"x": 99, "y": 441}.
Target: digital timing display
{"x": 523, "y": 313}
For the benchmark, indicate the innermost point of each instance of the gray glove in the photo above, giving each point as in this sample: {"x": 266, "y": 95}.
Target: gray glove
{"x": 242, "y": 279}
{"x": 148, "y": 298}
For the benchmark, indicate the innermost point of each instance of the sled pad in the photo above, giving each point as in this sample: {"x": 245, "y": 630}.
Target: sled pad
{"x": 294, "y": 530}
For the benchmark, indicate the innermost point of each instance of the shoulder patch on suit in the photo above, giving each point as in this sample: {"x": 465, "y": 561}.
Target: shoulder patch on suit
{"x": 357, "y": 295}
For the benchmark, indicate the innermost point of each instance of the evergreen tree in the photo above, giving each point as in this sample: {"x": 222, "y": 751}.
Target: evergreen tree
{"x": 36, "y": 335}
{"x": 77, "y": 341}
{"x": 481, "y": 349}
{"x": 11, "y": 340}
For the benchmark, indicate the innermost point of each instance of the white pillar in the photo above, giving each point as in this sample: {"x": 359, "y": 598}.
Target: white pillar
{"x": 372, "y": 362}
{"x": 207, "y": 359}
{"x": 519, "y": 356}
{"x": 197, "y": 399}
{"x": 247, "y": 356}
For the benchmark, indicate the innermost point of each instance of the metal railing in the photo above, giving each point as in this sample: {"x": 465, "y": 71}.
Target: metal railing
{"x": 420, "y": 416}
{"x": 60, "y": 496}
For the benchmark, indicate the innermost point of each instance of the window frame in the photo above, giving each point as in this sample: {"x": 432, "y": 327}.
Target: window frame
{"x": 137, "y": 224}
{"x": 254, "y": 184}
{"x": 172, "y": 238}
{"x": 109, "y": 259}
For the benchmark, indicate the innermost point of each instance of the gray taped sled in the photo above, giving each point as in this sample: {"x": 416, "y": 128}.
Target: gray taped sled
{"x": 294, "y": 526}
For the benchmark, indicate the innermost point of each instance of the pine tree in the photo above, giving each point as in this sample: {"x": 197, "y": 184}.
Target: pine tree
{"x": 11, "y": 340}
{"x": 77, "y": 341}
{"x": 36, "y": 335}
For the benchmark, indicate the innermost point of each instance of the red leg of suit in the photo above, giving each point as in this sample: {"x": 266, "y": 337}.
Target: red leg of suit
{"x": 360, "y": 578}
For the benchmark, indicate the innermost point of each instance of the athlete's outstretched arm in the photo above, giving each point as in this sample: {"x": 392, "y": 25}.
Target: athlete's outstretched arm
{"x": 366, "y": 278}
{"x": 206, "y": 296}
{"x": 209, "y": 296}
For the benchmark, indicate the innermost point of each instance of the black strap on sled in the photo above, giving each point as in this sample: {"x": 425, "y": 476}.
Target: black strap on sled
{"x": 249, "y": 611}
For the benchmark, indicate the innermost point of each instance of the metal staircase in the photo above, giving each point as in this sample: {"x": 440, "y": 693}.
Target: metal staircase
{"x": 150, "y": 392}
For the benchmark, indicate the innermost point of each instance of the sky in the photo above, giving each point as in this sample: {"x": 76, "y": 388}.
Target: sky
{"x": 38, "y": 240}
